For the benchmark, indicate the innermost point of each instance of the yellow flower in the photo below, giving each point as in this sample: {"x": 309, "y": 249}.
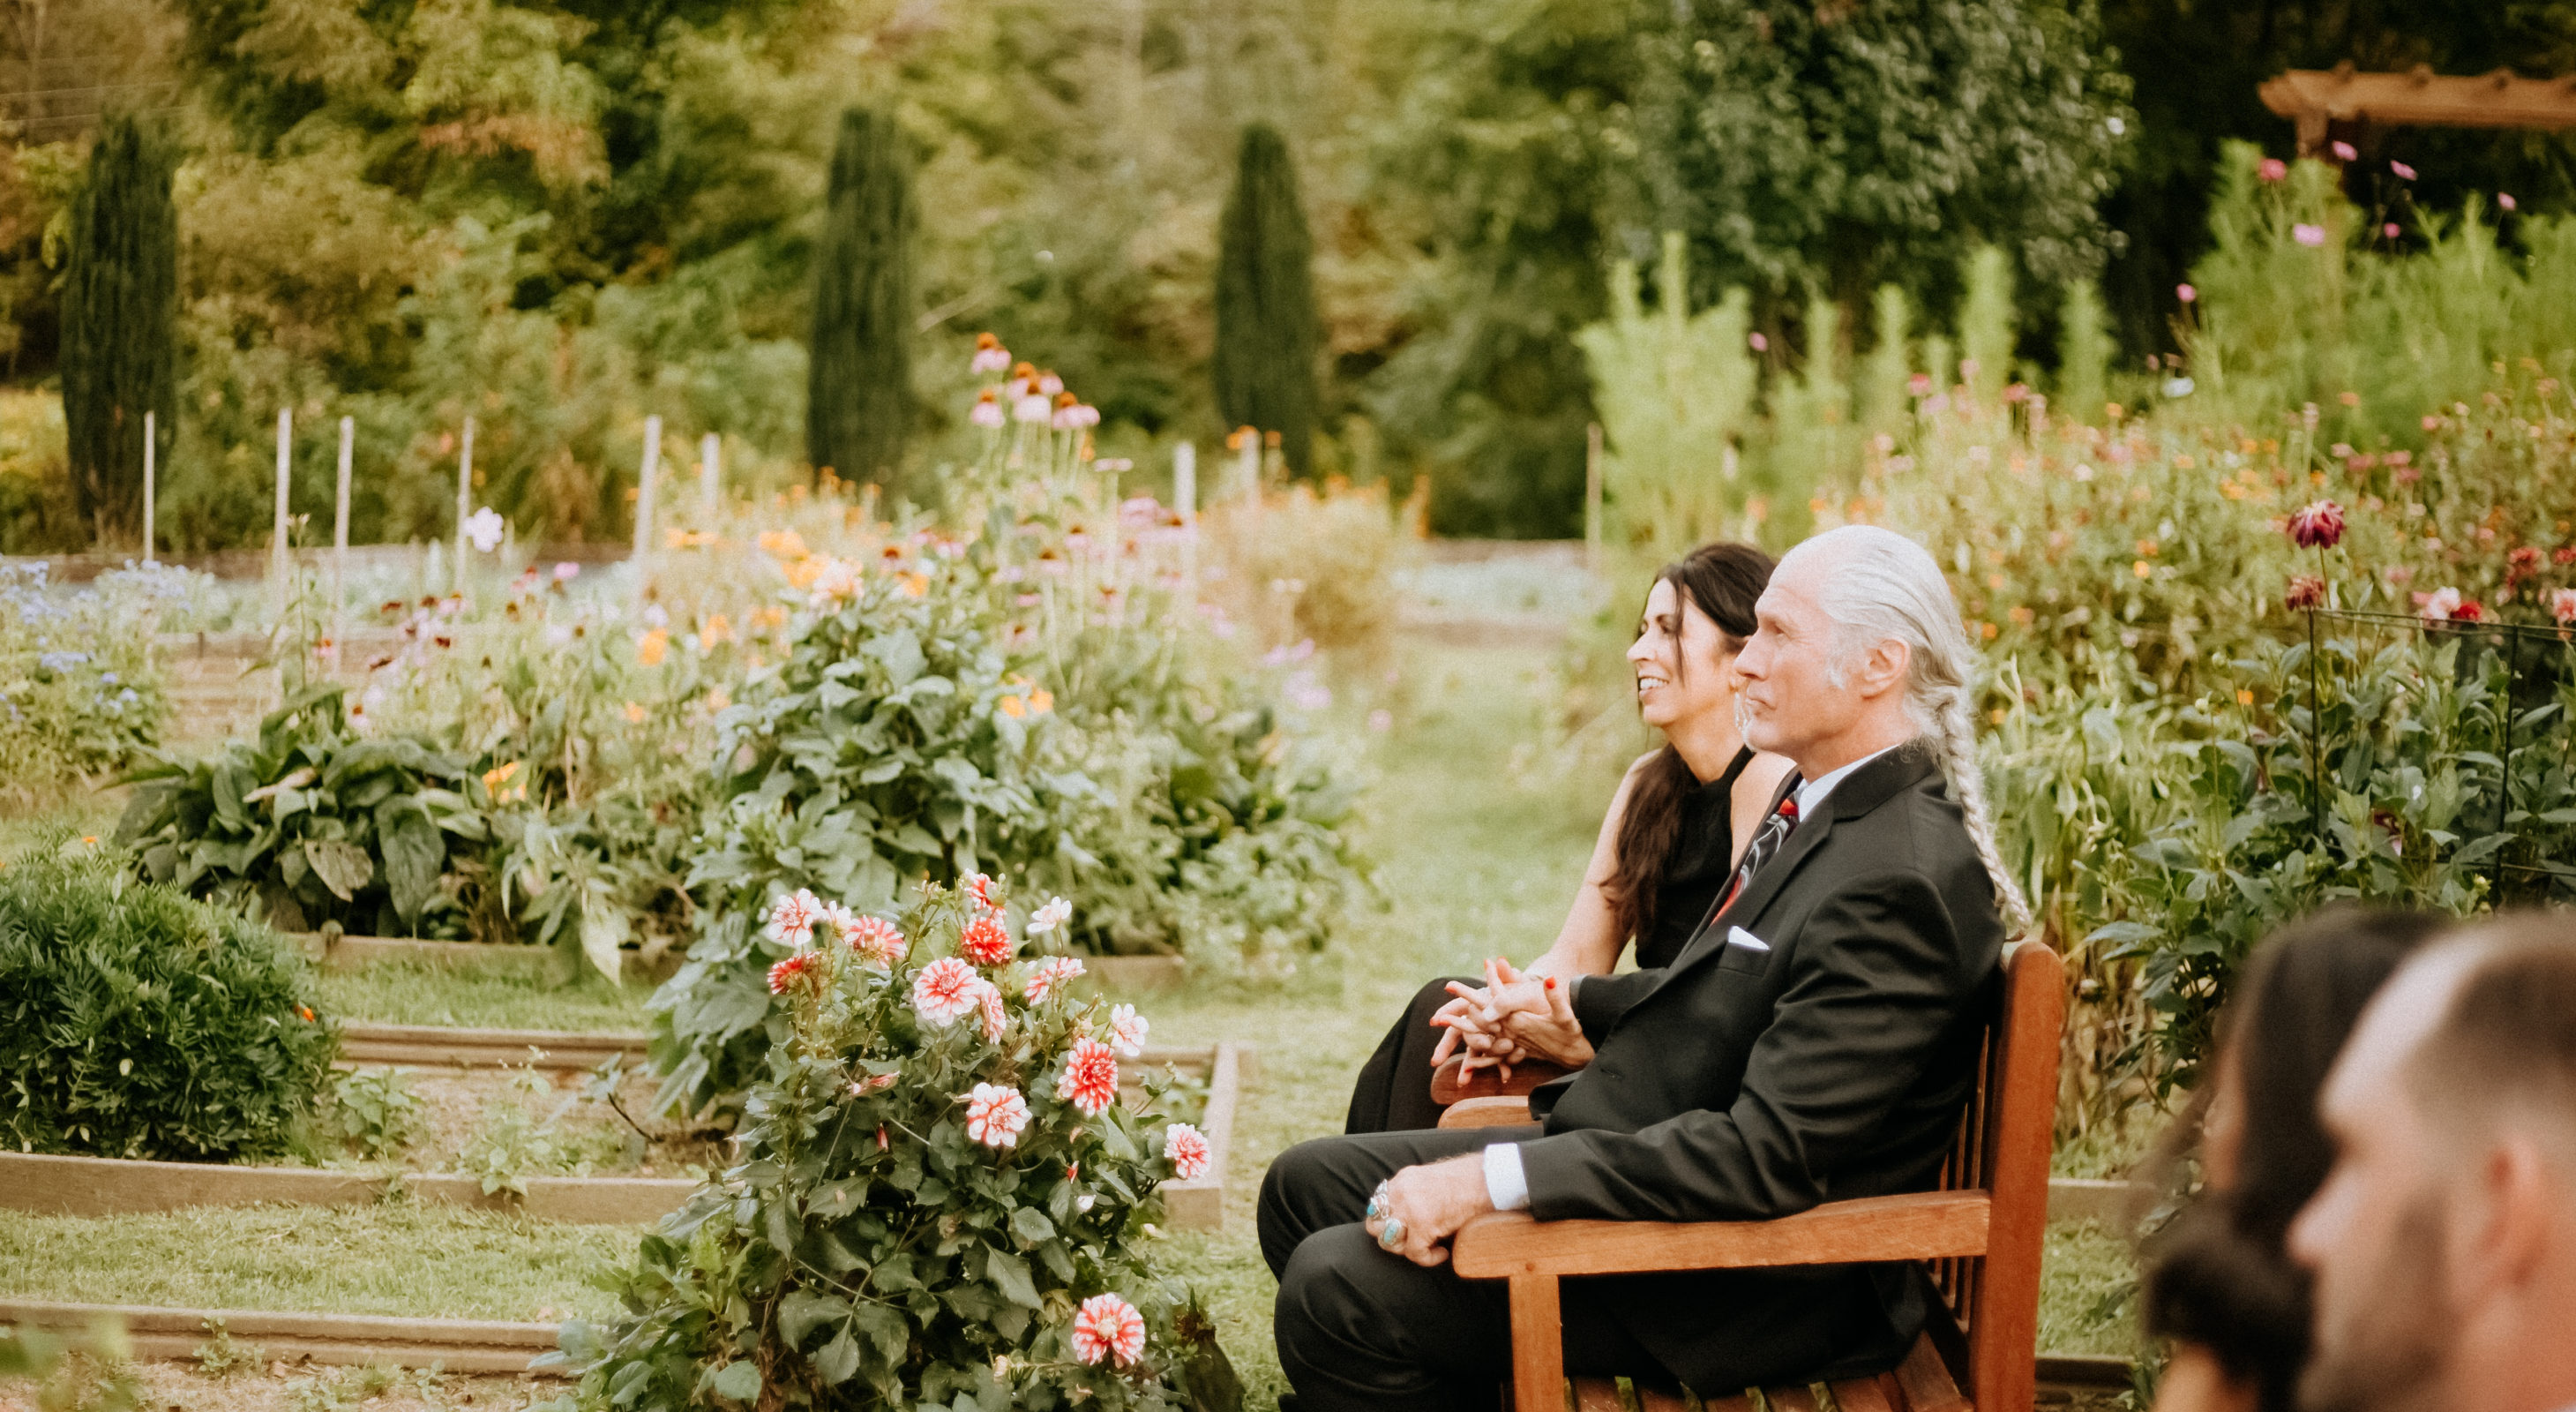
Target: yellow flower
{"x": 499, "y": 775}
{"x": 634, "y": 713}
{"x": 2140, "y": 569}
{"x": 1013, "y": 707}
{"x": 1041, "y": 701}
{"x": 782, "y": 544}
{"x": 649, "y": 650}
{"x": 718, "y": 699}
{"x": 1988, "y": 631}
{"x": 915, "y": 585}
{"x": 2244, "y": 697}
{"x": 715, "y": 629}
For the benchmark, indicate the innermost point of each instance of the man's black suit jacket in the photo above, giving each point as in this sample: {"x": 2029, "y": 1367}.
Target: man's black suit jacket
{"x": 1742, "y": 1084}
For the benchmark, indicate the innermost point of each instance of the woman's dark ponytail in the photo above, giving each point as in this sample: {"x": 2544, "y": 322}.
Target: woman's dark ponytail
{"x": 1722, "y": 581}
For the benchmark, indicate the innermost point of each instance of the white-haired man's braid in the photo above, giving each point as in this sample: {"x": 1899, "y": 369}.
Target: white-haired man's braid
{"x": 1957, "y": 739}
{"x": 1883, "y": 586}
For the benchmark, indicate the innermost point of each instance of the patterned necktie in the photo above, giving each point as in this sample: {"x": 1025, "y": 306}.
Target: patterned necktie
{"x": 1765, "y": 846}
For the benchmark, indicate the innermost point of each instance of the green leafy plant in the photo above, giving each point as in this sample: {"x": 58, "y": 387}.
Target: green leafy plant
{"x": 941, "y": 1198}
{"x": 81, "y": 693}
{"x": 221, "y": 1357}
{"x": 92, "y": 1374}
{"x": 374, "y": 1111}
{"x": 135, "y": 1022}
{"x": 316, "y": 824}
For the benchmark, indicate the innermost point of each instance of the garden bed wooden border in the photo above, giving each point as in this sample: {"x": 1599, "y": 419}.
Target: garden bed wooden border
{"x": 113, "y": 1186}
{"x": 456, "y": 1345}
{"x": 1120, "y": 975}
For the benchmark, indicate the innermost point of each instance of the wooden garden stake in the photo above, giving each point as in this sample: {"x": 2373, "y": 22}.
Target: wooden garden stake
{"x": 644, "y": 477}
{"x": 340, "y": 533}
{"x": 710, "y": 478}
{"x": 1185, "y": 500}
{"x": 464, "y": 500}
{"x": 148, "y": 487}
{"x": 277, "y": 564}
{"x": 1592, "y": 496}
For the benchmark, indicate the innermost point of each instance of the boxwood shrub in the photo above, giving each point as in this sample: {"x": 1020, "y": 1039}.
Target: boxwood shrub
{"x": 135, "y": 1022}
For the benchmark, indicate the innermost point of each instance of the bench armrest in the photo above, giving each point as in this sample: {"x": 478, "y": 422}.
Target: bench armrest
{"x": 1486, "y": 1113}
{"x": 1447, "y": 1086}
{"x": 1928, "y": 1225}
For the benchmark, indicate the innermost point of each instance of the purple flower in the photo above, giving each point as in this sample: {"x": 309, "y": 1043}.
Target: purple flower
{"x": 2505, "y": 199}
{"x": 2343, "y": 152}
{"x": 2307, "y": 234}
{"x": 2186, "y": 293}
{"x": 2404, "y": 172}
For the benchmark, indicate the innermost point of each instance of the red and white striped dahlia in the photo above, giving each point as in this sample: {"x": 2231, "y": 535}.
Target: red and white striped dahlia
{"x": 1108, "y": 1327}
{"x": 1187, "y": 1150}
{"x": 995, "y": 1114}
{"x": 1090, "y": 1080}
{"x": 944, "y": 990}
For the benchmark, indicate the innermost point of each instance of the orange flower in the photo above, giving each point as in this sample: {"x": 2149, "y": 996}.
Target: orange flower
{"x": 1041, "y": 701}
{"x": 634, "y": 713}
{"x": 915, "y": 585}
{"x": 1013, "y": 707}
{"x": 649, "y": 650}
{"x": 306, "y": 1011}
{"x": 715, "y": 629}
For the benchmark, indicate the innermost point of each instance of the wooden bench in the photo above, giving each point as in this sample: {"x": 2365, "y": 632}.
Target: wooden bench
{"x": 1979, "y": 1236}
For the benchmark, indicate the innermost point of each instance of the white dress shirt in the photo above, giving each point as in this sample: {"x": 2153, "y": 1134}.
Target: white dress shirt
{"x": 1505, "y": 1184}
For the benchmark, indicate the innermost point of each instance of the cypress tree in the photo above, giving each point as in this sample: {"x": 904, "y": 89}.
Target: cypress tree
{"x": 859, "y": 403}
{"x": 120, "y": 312}
{"x": 1266, "y": 327}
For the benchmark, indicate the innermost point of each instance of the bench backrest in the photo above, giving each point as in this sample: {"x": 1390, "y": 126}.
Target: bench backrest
{"x": 1988, "y": 1326}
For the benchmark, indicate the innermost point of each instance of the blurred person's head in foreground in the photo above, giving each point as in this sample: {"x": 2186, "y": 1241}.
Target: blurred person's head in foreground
{"x": 2444, "y": 1241}
{"x": 2220, "y": 1283}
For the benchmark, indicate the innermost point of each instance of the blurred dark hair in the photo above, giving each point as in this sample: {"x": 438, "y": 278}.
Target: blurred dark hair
{"x": 1722, "y": 581}
{"x": 2220, "y": 1275}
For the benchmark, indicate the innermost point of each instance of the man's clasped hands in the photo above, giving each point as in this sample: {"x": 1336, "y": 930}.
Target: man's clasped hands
{"x": 1511, "y": 1019}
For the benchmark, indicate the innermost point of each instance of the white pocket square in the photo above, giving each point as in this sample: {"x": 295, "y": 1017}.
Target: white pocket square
{"x": 1738, "y": 936}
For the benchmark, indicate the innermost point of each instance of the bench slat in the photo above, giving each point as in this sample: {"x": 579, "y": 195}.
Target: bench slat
{"x": 1926, "y": 1382}
{"x": 1861, "y": 1395}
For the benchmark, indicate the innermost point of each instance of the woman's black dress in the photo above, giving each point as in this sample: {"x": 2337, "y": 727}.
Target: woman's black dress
{"x": 1393, "y": 1093}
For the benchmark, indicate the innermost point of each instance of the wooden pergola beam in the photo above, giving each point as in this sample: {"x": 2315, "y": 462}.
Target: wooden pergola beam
{"x": 2312, "y": 98}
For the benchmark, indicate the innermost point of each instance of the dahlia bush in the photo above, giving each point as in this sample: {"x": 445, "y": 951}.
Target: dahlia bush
{"x": 945, "y": 1192}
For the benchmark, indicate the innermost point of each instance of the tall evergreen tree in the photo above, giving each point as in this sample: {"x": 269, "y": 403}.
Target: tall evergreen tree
{"x": 1266, "y": 326}
{"x": 859, "y": 409}
{"x": 120, "y": 312}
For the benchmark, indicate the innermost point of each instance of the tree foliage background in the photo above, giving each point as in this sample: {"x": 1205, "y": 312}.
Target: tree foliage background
{"x": 560, "y": 215}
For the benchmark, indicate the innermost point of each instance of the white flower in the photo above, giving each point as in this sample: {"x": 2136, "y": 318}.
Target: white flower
{"x": 485, "y": 528}
{"x": 792, "y": 920}
{"x": 995, "y": 1115}
{"x": 946, "y": 989}
{"x": 1036, "y": 410}
{"x": 1056, "y": 913}
{"x": 1187, "y": 1149}
{"x": 1127, "y": 1031}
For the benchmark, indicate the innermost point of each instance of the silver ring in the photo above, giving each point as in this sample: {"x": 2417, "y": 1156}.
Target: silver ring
{"x": 1391, "y": 1235}
{"x": 1377, "y": 1201}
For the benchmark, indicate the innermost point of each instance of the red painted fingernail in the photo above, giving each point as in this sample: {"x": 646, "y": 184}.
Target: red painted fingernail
{"x": 1551, "y": 982}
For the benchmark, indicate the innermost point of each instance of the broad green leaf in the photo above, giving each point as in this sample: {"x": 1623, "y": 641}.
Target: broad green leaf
{"x": 1010, "y": 1274}
{"x": 343, "y": 867}
{"x": 738, "y": 1381}
{"x": 414, "y": 854}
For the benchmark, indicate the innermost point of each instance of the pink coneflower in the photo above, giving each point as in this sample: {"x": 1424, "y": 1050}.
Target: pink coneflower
{"x": 2317, "y": 526}
{"x": 2505, "y": 200}
{"x": 988, "y": 409}
{"x": 2272, "y": 169}
{"x": 990, "y": 355}
{"x": 2403, "y": 171}
{"x": 1186, "y": 1148}
{"x": 2309, "y": 235}
{"x": 2186, "y": 293}
{"x": 1108, "y": 1327}
{"x": 1759, "y": 343}
{"x": 2392, "y": 230}
{"x": 2343, "y": 152}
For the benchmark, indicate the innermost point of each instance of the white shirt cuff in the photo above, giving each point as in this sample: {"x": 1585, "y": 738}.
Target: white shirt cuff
{"x": 1504, "y": 1184}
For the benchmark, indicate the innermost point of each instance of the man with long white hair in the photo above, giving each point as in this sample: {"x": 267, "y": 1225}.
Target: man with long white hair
{"x": 1816, "y": 1039}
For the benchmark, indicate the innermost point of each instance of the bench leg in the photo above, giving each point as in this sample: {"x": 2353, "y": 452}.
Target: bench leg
{"x": 1538, "y": 1345}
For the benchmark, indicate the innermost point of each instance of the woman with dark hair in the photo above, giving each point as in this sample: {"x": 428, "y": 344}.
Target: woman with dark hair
{"x": 2220, "y": 1282}
{"x": 1670, "y": 839}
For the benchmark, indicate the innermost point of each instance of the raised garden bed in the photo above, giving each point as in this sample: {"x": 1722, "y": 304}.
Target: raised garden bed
{"x": 1119, "y": 975}
{"x": 104, "y": 1186}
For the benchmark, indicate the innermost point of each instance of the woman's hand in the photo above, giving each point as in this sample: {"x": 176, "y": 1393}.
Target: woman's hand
{"x": 1538, "y": 1018}
{"x": 1471, "y": 1022}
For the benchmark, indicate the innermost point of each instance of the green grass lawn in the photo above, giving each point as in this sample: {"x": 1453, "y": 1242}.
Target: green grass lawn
{"x": 397, "y": 1258}
{"x": 515, "y": 990}
{"x": 1480, "y": 845}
